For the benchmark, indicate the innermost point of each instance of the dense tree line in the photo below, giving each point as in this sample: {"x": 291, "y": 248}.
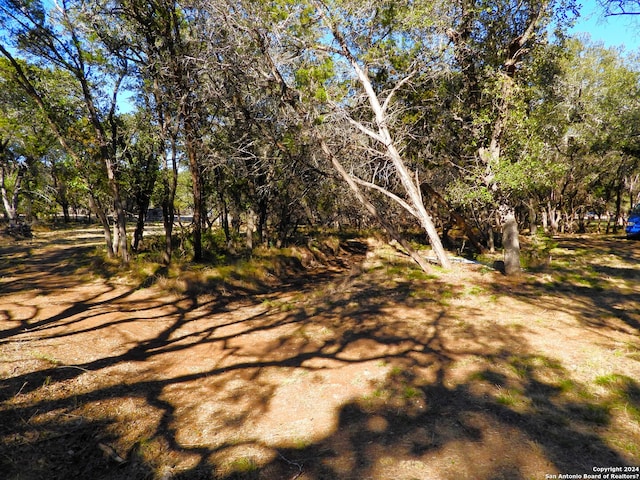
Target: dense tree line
{"x": 445, "y": 116}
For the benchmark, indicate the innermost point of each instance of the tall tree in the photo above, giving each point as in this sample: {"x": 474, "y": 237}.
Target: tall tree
{"x": 491, "y": 42}
{"x": 595, "y": 101}
{"x": 364, "y": 48}
{"x": 25, "y": 144}
{"x": 327, "y": 81}
{"x": 61, "y": 38}
{"x": 176, "y": 63}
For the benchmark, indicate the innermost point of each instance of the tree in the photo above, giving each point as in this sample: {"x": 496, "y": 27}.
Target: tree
{"x": 61, "y": 39}
{"x": 355, "y": 48}
{"x": 599, "y": 92}
{"x": 138, "y": 147}
{"x": 492, "y": 45}
{"x": 10, "y": 172}
{"x": 25, "y": 143}
{"x": 177, "y": 70}
{"x": 333, "y": 59}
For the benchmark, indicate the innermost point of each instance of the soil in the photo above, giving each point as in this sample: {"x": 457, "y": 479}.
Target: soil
{"x": 348, "y": 363}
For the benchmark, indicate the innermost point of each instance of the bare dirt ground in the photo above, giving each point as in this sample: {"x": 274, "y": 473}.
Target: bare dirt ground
{"x": 357, "y": 367}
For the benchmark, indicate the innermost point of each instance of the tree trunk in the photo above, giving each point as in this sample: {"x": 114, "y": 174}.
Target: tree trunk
{"x": 196, "y": 180}
{"x": 104, "y": 221}
{"x": 116, "y": 238}
{"x": 261, "y": 228}
{"x": 225, "y": 219}
{"x": 29, "y": 87}
{"x": 619, "y": 191}
{"x": 65, "y": 211}
{"x": 251, "y": 225}
{"x": 168, "y": 209}
{"x": 511, "y": 245}
{"x": 491, "y": 239}
{"x": 553, "y": 220}
{"x": 11, "y": 202}
{"x": 137, "y": 234}
{"x": 533, "y": 217}
{"x": 168, "y": 216}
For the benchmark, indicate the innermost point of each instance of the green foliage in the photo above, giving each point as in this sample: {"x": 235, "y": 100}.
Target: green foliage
{"x": 313, "y": 79}
{"x": 563, "y": 118}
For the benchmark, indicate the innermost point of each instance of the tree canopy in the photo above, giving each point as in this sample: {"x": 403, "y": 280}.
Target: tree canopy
{"x": 427, "y": 116}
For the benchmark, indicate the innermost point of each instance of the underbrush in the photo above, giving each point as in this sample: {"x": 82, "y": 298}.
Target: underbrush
{"x": 222, "y": 268}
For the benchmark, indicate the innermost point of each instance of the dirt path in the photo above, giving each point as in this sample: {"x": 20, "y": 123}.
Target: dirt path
{"x": 362, "y": 369}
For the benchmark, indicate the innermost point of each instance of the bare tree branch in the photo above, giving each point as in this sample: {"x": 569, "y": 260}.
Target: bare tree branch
{"x": 389, "y": 194}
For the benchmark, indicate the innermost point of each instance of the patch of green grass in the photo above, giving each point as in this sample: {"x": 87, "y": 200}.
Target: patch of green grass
{"x": 396, "y": 270}
{"x": 421, "y": 294}
{"x": 566, "y": 385}
{"x": 301, "y": 443}
{"x": 599, "y": 414}
{"x": 525, "y": 366}
{"x": 410, "y": 392}
{"x": 269, "y": 304}
{"x": 611, "y": 380}
{"x": 47, "y": 358}
{"x": 487, "y": 376}
{"x": 416, "y": 274}
{"x": 474, "y": 290}
{"x": 507, "y": 397}
{"x": 379, "y": 393}
{"x": 244, "y": 465}
{"x": 624, "y": 393}
{"x": 520, "y": 367}
{"x": 485, "y": 269}
{"x": 444, "y": 296}
{"x": 629, "y": 446}
{"x": 374, "y": 399}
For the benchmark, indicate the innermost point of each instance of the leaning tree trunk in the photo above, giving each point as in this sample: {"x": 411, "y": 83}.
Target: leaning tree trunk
{"x": 415, "y": 206}
{"x": 383, "y": 137}
{"x": 95, "y": 205}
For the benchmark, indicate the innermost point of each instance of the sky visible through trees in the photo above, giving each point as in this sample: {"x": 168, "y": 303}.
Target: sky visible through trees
{"x": 613, "y": 31}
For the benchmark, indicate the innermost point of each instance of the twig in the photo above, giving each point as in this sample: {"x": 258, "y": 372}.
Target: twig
{"x": 299, "y": 465}
{"x": 20, "y": 391}
{"x": 111, "y": 453}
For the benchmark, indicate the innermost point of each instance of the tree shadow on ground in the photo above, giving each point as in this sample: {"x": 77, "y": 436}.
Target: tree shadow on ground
{"x": 451, "y": 399}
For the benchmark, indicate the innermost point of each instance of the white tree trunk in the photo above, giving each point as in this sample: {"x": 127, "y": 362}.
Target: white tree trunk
{"x": 383, "y": 136}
